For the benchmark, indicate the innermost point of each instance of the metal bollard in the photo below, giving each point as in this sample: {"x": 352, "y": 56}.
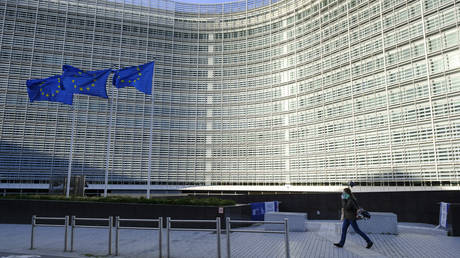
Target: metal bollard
{"x": 72, "y": 232}
{"x": 228, "y": 228}
{"x": 286, "y": 237}
{"x": 32, "y": 232}
{"x": 219, "y": 255}
{"x": 110, "y": 234}
{"x": 66, "y": 233}
{"x": 117, "y": 232}
{"x": 168, "y": 226}
{"x": 160, "y": 235}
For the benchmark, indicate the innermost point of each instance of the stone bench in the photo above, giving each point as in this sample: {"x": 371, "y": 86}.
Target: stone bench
{"x": 379, "y": 223}
{"x": 296, "y": 220}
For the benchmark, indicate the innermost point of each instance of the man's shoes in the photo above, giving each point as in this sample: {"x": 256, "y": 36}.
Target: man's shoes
{"x": 338, "y": 245}
{"x": 369, "y": 245}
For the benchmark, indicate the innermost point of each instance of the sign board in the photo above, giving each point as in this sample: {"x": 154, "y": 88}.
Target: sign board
{"x": 443, "y": 211}
{"x": 270, "y": 207}
{"x": 221, "y": 210}
{"x": 258, "y": 209}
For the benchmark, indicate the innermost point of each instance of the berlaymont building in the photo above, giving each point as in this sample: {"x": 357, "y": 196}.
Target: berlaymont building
{"x": 256, "y": 95}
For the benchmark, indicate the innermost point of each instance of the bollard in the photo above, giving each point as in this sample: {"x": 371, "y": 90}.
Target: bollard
{"x": 219, "y": 255}
{"x": 118, "y": 228}
{"x": 217, "y": 230}
{"x": 35, "y": 225}
{"x": 72, "y": 232}
{"x": 160, "y": 235}
{"x": 286, "y": 237}
{"x": 32, "y": 232}
{"x": 110, "y": 234}
{"x": 168, "y": 226}
{"x": 229, "y": 231}
{"x": 117, "y": 232}
{"x": 66, "y": 233}
{"x": 228, "y": 228}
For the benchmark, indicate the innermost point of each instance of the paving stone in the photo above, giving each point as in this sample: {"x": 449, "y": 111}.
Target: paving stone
{"x": 316, "y": 242}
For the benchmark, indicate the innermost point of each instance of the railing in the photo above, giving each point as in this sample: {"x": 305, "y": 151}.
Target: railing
{"x": 109, "y": 225}
{"x": 169, "y": 229}
{"x": 118, "y": 227}
{"x": 230, "y": 230}
{"x": 35, "y": 224}
{"x": 74, "y": 226}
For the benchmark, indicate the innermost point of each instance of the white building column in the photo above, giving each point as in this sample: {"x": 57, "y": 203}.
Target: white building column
{"x": 209, "y": 127}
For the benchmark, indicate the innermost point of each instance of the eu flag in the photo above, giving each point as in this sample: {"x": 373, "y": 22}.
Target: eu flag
{"x": 49, "y": 89}
{"x": 89, "y": 83}
{"x": 135, "y": 76}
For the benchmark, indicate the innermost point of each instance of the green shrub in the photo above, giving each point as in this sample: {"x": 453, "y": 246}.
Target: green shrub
{"x": 128, "y": 199}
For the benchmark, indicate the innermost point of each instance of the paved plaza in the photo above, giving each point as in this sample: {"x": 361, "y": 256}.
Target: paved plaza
{"x": 413, "y": 240}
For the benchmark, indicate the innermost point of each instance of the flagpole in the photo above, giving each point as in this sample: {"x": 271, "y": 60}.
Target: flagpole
{"x": 69, "y": 171}
{"x": 106, "y": 180}
{"x": 114, "y": 66}
{"x": 149, "y": 170}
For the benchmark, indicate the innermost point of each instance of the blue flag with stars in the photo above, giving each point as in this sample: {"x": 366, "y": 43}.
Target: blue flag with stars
{"x": 139, "y": 77}
{"x": 49, "y": 89}
{"x": 89, "y": 83}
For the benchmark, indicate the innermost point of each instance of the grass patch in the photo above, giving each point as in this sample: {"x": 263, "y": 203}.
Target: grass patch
{"x": 127, "y": 199}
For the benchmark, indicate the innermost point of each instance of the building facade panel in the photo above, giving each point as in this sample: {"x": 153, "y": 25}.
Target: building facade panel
{"x": 248, "y": 93}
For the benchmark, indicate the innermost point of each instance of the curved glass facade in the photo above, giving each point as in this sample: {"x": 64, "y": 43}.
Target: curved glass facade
{"x": 251, "y": 93}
